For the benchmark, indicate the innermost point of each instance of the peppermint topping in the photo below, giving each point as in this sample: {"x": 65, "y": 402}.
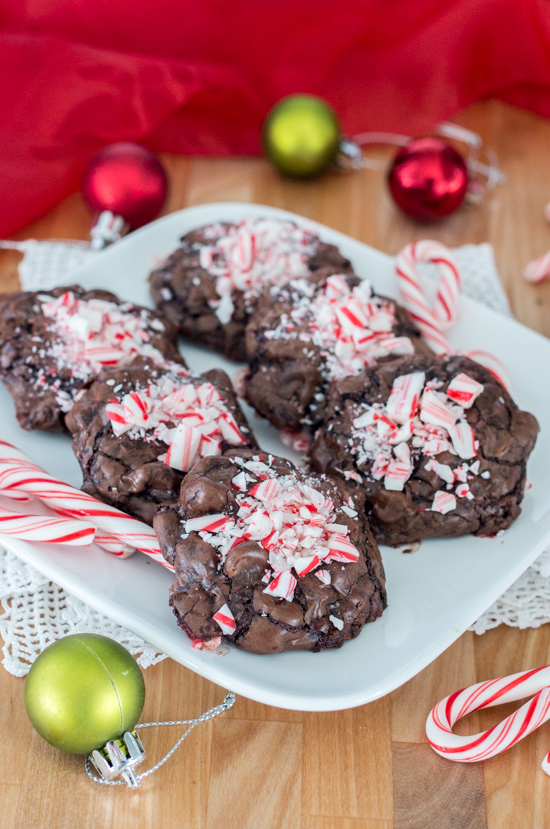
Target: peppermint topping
{"x": 352, "y": 326}
{"x": 91, "y": 334}
{"x": 254, "y": 252}
{"x": 178, "y": 409}
{"x": 443, "y": 502}
{"x": 417, "y": 420}
{"x": 294, "y": 522}
{"x": 464, "y": 390}
{"x": 225, "y": 620}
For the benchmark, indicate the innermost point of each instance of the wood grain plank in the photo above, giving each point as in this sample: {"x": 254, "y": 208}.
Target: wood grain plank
{"x": 432, "y": 792}
{"x": 317, "y": 822}
{"x": 412, "y": 703}
{"x": 256, "y": 775}
{"x": 352, "y": 749}
{"x": 514, "y": 782}
{"x": 218, "y": 180}
{"x": 9, "y": 800}
{"x": 345, "y": 758}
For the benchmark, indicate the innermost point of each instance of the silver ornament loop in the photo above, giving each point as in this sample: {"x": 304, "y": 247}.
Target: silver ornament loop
{"x": 351, "y": 156}
{"x": 118, "y": 763}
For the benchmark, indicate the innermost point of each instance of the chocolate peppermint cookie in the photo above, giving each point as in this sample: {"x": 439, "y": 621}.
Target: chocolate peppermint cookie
{"x": 54, "y": 342}
{"x": 137, "y": 431}
{"x": 310, "y": 333}
{"x": 208, "y": 287}
{"x": 270, "y": 557}
{"x": 438, "y": 447}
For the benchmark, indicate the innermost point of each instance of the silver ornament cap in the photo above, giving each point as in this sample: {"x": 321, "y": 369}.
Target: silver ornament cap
{"x": 118, "y": 758}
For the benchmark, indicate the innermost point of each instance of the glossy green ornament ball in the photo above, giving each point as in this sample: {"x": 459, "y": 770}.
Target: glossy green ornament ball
{"x": 82, "y": 691}
{"x": 301, "y": 135}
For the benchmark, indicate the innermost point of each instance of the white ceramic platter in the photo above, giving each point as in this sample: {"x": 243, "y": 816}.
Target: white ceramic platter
{"x": 434, "y": 594}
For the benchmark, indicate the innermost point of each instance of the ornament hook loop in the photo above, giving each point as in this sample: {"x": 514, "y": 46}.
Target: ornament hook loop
{"x": 118, "y": 758}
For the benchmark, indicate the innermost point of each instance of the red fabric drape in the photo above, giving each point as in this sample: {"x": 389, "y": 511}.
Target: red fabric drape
{"x": 198, "y": 77}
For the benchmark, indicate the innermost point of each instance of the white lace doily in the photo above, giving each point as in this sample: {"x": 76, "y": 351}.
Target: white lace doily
{"x": 36, "y": 611}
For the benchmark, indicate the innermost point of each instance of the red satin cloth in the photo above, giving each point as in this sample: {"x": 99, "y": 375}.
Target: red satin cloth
{"x": 199, "y": 76}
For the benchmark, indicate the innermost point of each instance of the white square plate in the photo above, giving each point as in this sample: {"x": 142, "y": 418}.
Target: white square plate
{"x": 434, "y": 595}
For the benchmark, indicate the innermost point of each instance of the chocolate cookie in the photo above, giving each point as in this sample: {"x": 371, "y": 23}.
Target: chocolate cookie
{"x": 137, "y": 431}
{"x": 54, "y": 342}
{"x": 438, "y": 447}
{"x": 306, "y": 335}
{"x": 209, "y": 285}
{"x": 270, "y": 557}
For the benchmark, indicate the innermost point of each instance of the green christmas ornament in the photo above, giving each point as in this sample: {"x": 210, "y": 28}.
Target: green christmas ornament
{"x": 83, "y": 691}
{"x": 301, "y": 135}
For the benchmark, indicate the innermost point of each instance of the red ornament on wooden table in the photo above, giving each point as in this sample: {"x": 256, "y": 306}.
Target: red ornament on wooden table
{"x": 428, "y": 179}
{"x": 124, "y": 184}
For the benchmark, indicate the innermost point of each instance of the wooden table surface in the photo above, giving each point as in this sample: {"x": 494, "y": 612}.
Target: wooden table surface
{"x": 258, "y": 767}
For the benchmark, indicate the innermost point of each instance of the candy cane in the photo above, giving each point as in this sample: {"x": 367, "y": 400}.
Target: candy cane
{"x": 43, "y": 528}
{"x": 18, "y": 472}
{"x": 538, "y": 270}
{"x": 485, "y": 695}
{"x": 432, "y": 322}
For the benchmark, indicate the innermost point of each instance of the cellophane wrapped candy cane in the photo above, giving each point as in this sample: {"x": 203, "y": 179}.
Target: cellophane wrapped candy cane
{"x": 485, "y": 695}
{"x": 117, "y": 532}
{"x": 43, "y": 528}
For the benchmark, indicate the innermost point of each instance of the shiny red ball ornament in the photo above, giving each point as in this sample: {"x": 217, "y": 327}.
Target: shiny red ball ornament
{"x": 128, "y": 180}
{"x": 428, "y": 179}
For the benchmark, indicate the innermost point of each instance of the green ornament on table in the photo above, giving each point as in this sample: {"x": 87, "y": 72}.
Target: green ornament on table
{"x": 301, "y": 135}
{"x": 83, "y": 691}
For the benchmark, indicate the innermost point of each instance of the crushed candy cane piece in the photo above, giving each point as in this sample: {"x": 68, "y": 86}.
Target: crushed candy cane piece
{"x": 462, "y": 436}
{"x": 397, "y": 474}
{"x": 463, "y": 491}
{"x": 338, "y": 623}
{"x": 323, "y": 576}
{"x": 282, "y": 586}
{"x": 295, "y": 523}
{"x": 403, "y": 399}
{"x": 351, "y": 325}
{"x": 252, "y": 253}
{"x": 464, "y": 389}
{"x": 433, "y": 410}
{"x": 182, "y": 411}
{"x": 340, "y": 549}
{"x": 225, "y": 620}
{"x": 435, "y": 426}
{"x": 443, "y": 502}
{"x": 305, "y": 565}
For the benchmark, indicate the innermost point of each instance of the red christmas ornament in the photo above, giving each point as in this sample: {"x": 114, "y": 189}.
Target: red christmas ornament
{"x": 428, "y": 179}
{"x": 128, "y": 182}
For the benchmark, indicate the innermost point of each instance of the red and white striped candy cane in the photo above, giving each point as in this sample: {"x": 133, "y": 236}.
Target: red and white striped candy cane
{"x": 538, "y": 270}
{"x": 18, "y": 472}
{"x": 490, "y": 362}
{"x": 485, "y": 695}
{"x": 431, "y": 321}
{"x": 42, "y": 528}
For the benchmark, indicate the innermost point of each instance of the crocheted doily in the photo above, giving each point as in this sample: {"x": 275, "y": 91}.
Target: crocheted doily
{"x": 37, "y": 612}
